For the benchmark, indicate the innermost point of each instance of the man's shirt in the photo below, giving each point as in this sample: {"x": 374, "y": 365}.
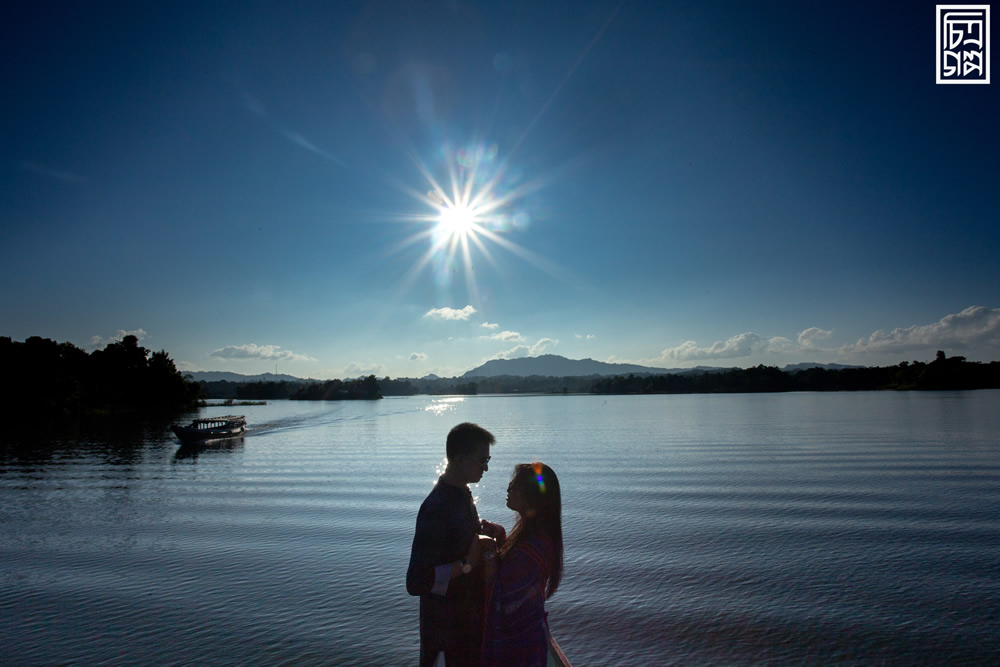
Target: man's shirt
{"x": 450, "y": 611}
{"x": 446, "y": 525}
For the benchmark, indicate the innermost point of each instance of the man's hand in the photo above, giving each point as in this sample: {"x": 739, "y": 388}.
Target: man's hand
{"x": 488, "y": 550}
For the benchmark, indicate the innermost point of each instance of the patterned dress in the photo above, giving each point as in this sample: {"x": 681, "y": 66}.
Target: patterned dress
{"x": 516, "y": 631}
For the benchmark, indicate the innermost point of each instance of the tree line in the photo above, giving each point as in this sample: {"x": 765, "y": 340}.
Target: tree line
{"x": 56, "y": 381}
{"x": 942, "y": 373}
{"x": 340, "y": 390}
{"x": 367, "y": 388}
{"x": 59, "y": 380}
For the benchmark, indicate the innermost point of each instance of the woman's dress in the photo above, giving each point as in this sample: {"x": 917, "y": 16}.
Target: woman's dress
{"x": 516, "y": 631}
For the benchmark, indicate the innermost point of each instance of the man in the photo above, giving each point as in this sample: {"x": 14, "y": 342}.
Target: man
{"x": 445, "y": 563}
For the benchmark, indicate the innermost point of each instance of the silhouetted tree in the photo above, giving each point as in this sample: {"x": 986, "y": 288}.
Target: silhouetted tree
{"x": 59, "y": 380}
{"x": 392, "y": 387}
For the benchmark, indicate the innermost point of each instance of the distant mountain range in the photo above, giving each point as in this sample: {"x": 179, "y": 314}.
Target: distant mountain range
{"x": 552, "y": 365}
{"x": 220, "y": 376}
{"x": 546, "y": 365}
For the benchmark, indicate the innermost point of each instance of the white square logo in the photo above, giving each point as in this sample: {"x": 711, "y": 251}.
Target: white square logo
{"x": 963, "y": 43}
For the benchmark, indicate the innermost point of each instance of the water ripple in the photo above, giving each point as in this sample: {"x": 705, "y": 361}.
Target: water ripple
{"x": 797, "y": 529}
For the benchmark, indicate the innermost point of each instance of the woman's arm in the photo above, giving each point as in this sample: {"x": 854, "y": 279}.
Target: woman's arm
{"x": 494, "y": 530}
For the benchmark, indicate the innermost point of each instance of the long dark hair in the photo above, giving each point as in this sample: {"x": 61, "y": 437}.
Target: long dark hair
{"x": 541, "y": 491}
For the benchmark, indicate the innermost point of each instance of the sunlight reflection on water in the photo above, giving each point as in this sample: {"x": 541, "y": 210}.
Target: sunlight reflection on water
{"x": 439, "y": 406}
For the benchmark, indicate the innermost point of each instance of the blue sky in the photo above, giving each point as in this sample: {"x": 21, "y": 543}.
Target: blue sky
{"x": 258, "y": 186}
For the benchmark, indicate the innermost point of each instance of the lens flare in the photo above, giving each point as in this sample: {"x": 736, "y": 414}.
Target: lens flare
{"x": 538, "y": 477}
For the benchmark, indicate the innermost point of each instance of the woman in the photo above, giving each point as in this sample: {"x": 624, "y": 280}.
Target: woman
{"x": 528, "y": 572}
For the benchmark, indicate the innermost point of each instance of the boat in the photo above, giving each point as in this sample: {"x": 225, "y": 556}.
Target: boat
{"x": 211, "y": 428}
{"x": 556, "y": 657}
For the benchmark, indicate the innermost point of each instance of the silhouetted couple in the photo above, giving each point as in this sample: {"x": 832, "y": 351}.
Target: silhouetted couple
{"x": 482, "y": 592}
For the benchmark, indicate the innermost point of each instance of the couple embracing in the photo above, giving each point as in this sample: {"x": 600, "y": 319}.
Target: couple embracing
{"x": 482, "y": 591}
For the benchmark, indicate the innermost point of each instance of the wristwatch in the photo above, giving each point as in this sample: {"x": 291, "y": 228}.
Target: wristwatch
{"x": 466, "y": 568}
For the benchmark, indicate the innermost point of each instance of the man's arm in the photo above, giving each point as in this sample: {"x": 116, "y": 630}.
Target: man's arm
{"x": 426, "y": 573}
{"x": 425, "y": 553}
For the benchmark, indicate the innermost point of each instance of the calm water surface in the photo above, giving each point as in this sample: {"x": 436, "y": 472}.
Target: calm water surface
{"x": 731, "y": 529}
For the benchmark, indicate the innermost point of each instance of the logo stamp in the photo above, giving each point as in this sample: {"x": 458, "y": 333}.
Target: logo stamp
{"x": 963, "y": 43}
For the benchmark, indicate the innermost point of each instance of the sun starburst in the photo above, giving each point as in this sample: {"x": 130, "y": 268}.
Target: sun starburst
{"x": 472, "y": 211}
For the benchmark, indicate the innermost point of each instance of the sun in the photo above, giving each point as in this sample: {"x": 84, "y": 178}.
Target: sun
{"x": 469, "y": 215}
{"x": 457, "y": 221}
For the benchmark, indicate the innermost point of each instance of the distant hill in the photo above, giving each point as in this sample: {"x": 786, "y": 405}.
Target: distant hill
{"x": 806, "y": 365}
{"x": 546, "y": 365}
{"x": 553, "y": 365}
{"x": 225, "y": 376}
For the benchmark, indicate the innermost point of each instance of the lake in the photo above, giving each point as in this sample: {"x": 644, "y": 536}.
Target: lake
{"x": 700, "y": 529}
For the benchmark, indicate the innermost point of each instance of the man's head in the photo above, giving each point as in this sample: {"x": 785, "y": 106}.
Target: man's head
{"x": 468, "y": 449}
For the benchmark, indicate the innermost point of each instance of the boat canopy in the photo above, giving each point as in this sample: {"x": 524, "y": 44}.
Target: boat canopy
{"x": 218, "y": 422}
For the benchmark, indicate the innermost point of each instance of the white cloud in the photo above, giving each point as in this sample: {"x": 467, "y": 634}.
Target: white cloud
{"x": 489, "y": 325}
{"x": 506, "y": 336}
{"x": 450, "y": 313}
{"x": 976, "y": 325}
{"x": 741, "y": 345}
{"x": 586, "y": 336}
{"x": 364, "y": 369}
{"x": 808, "y": 338}
{"x": 418, "y": 356}
{"x": 99, "y": 341}
{"x": 252, "y": 351}
{"x": 520, "y": 351}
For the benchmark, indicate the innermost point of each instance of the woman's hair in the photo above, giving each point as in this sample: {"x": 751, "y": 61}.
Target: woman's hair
{"x": 540, "y": 487}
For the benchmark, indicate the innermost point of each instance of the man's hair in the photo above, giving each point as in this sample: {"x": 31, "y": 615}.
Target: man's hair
{"x": 465, "y": 437}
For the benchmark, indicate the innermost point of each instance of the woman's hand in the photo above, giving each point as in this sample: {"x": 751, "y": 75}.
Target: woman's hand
{"x": 494, "y": 530}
